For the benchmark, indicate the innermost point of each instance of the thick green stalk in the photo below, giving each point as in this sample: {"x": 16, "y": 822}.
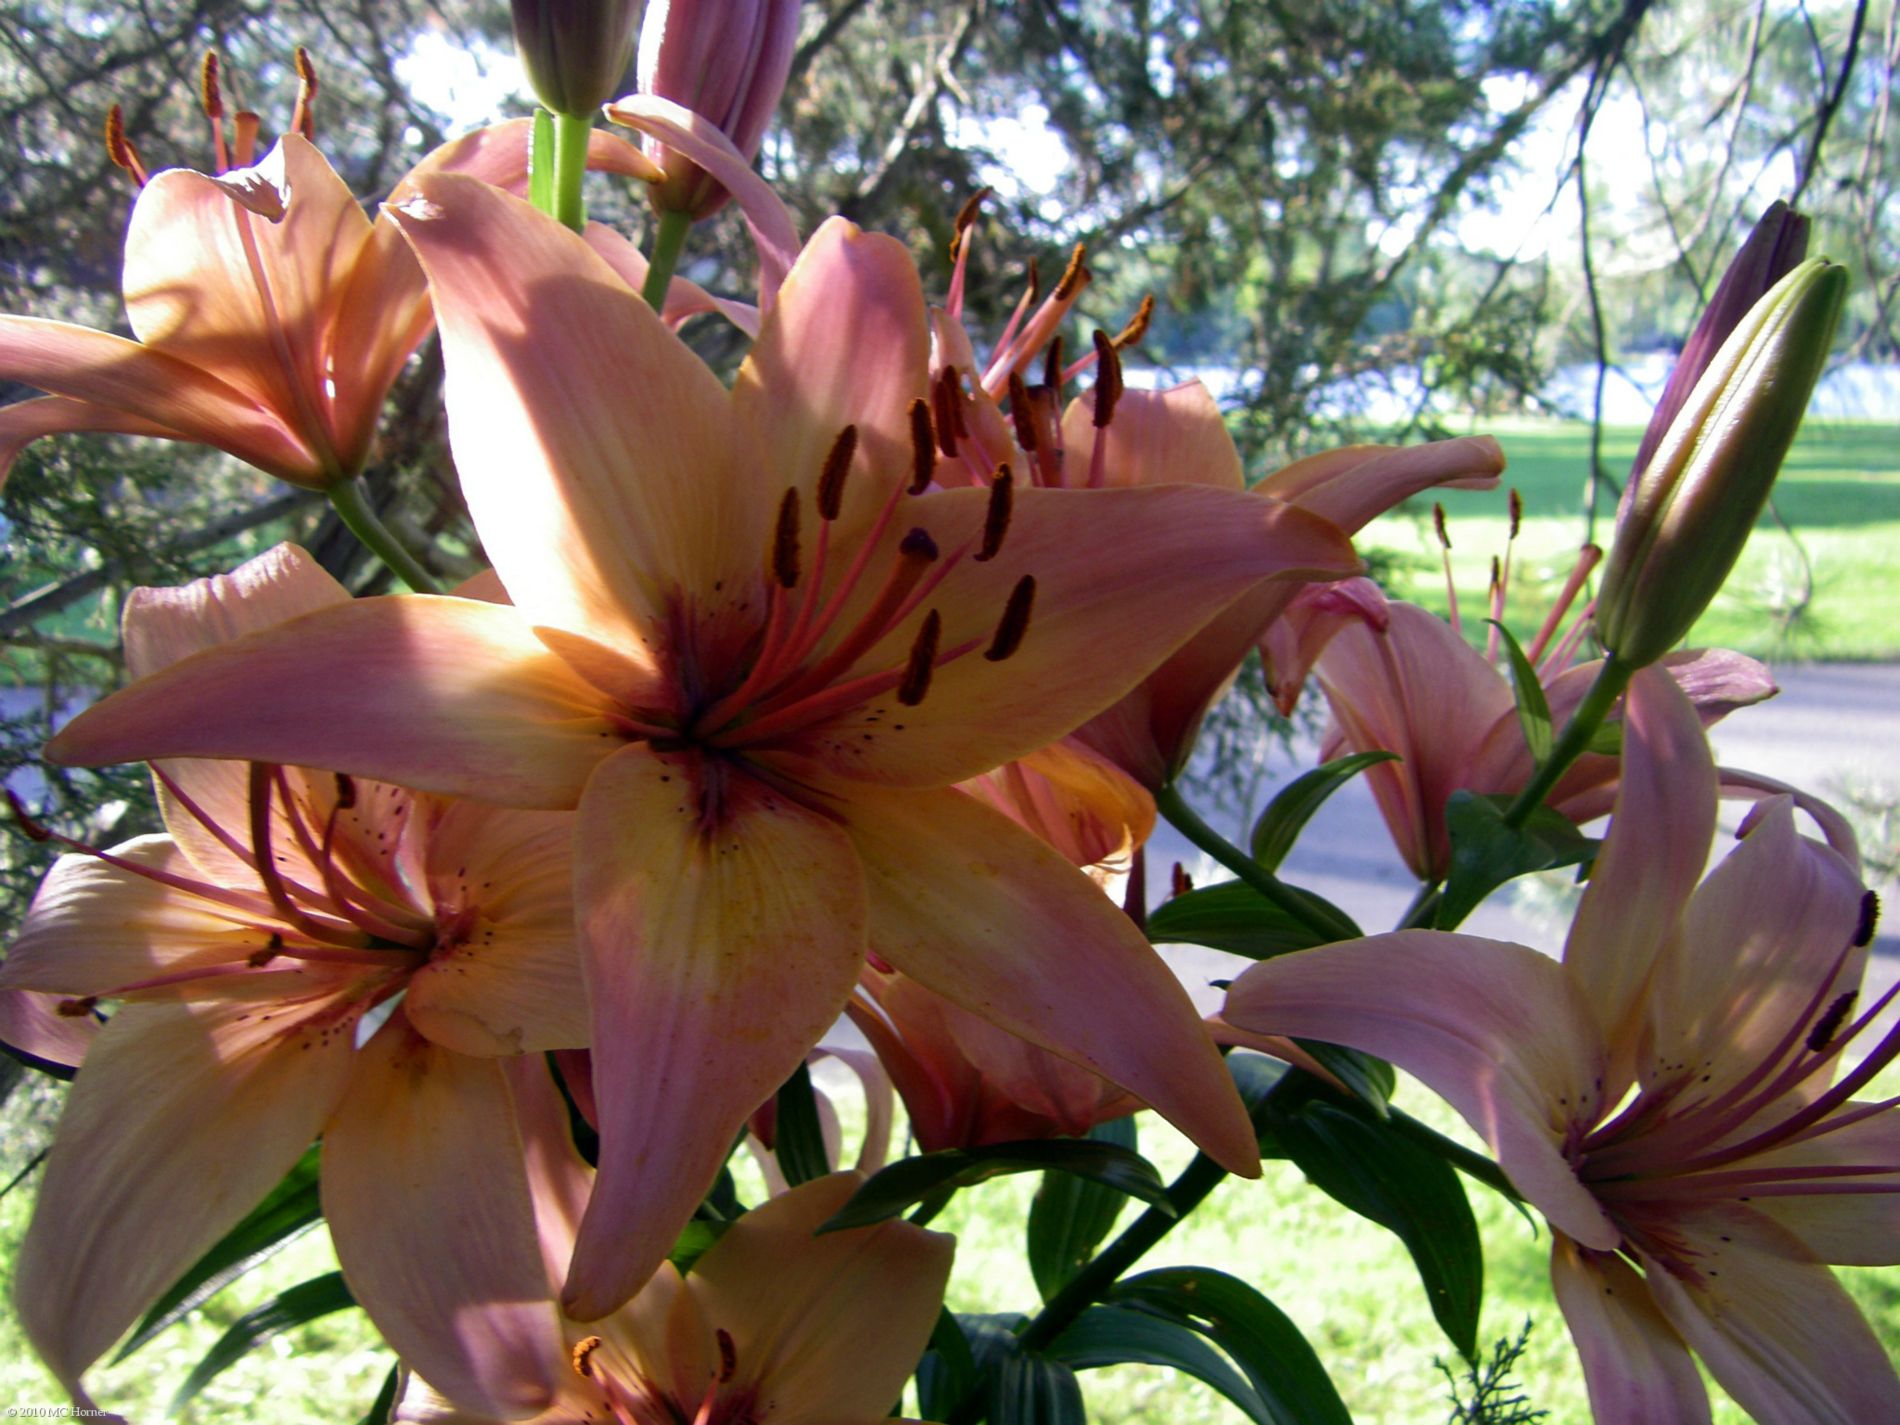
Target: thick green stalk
{"x": 1611, "y": 681}
{"x": 1184, "y": 819}
{"x": 346, "y": 498}
{"x": 571, "y": 134}
{"x": 668, "y": 242}
{"x": 1469, "y": 1161}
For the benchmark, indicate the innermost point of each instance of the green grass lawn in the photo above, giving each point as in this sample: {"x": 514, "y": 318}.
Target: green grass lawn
{"x": 1830, "y": 589}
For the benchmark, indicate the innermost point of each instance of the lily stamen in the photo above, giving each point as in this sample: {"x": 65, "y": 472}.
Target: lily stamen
{"x": 211, "y": 100}
{"x": 923, "y": 447}
{"x": 1108, "y": 390}
{"x": 120, "y": 149}
{"x": 923, "y": 656}
{"x": 1587, "y": 560}
{"x": 1032, "y": 292}
{"x": 996, "y": 516}
{"x": 1444, "y": 554}
{"x": 946, "y": 401}
{"x": 1015, "y": 621}
{"x": 785, "y": 542}
{"x": 303, "y": 117}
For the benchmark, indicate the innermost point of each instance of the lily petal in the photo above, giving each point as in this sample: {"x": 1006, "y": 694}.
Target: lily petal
{"x": 1165, "y": 437}
{"x": 182, "y": 1118}
{"x": 448, "y": 695}
{"x": 31, "y": 1024}
{"x": 24, "y": 422}
{"x": 845, "y": 1316}
{"x": 1498, "y": 1030}
{"x": 1073, "y": 798}
{"x": 426, "y": 1193}
{"x": 684, "y": 298}
{"x": 1024, "y": 940}
{"x": 1753, "y": 786}
{"x": 1636, "y": 1367}
{"x": 1652, "y": 858}
{"x": 1848, "y": 1229}
{"x": 614, "y": 446}
{"x": 1773, "y": 1326}
{"x": 1353, "y": 486}
{"x": 723, "y": 929}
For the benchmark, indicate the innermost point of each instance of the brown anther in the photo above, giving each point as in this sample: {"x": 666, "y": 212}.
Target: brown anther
{"x": 971, "y": 210}
{"x": 923, "y": 447}
{"x": 1014, "y": 622}
{"x": 1021, "y": 416}
{"x": 76, "y": 1008}
{"x": 119, "y": 148}
{"x": 1497, "y": 573}
{"x": 837, "y": 466}
{"x": 1517, "y": 511}
{"x": 1032, "y": 274}
{"x": 29, "y": 828}
{"x": 1180, "y": 883}
{"x": 303, "y": 118}
{"x": 1137, "y": 327}
{"x": 260, "y": 958}
{"x": 946, "y": 394}
{"x": 728, "y": 1353}
{"x": 918, "y": 545}
{"x": 1831, "y": 1019}
{"x": 345, "y": 791}
{"x": 1074, "y": 276}
{"x": 1869, "y": 918}
{"x": 1108, "y": 379}
{"x": 996, "y": 517}
{"x": 583, "y": 1351}
{"x": 923, "y": 658}
{"x": 1438, "y": 524}
{"x": 785, "y": 542}
{"x": 210, "y": 95}
{"x": 1052, "y": 367}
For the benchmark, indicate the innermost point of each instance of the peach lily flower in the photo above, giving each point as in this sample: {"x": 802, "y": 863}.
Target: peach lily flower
{"x": 269, "y": 315}
{"x": 1400, "y": 679}
{"x": 772, "y": 1324}
{"x": 762, "y": 736}
{"x": 1698, "y": 1213}
{"x": 242, "y": 1000}
{"x": 1111, "y": 437}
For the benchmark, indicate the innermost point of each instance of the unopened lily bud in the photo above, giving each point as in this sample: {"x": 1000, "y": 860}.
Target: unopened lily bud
{"x": 727, "y": 61}
{"x": 575, "y": 51}
{"x": 1684, "y": 519}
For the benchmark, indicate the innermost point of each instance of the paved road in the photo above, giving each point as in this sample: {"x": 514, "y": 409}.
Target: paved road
{"x": 1833, "y": 726}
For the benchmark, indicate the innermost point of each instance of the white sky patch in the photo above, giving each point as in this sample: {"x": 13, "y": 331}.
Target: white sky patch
{"x": 1032, "y": 158}
{"x": 469, "y": 81}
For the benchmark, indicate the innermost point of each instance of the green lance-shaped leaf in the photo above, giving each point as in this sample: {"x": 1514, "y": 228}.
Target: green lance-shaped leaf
{"x": 798, "y": 1138}
{"x": 291, "y": 1209}
{"x": 291, "y": 1308}
{"x": 1486, "y": 852}
{"x": 948, "y": 1371}
{"x": 1233, "y": 917}
{"x": 1364, "y": 1164}
{"x": 1034, "y": 1390}
{"x": 1071, "y": 1216}
{"x": 1533, "y": 708}
{"x": 384, "y": 1405}
{"x": 1287, "y": 814}
{"x": 1119, "y": 1335}
{"x": 1282, "y": 1368}
{"x": 913, "y": 1180}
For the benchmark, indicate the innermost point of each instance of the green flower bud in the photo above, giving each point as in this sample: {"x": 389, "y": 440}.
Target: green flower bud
{"x": 1685, "y": 517}
{"x": 576, "y": 52}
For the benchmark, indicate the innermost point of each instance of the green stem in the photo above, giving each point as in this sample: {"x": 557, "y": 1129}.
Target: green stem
{"x": 346, "y": 498}
{"x": 1419, "y": 912}
{"x": 1320, "y": 919}
{"x": 1468, "y": 1161}
{"x": 1611, "y": 681}
{"x": 571, "y": 133}
{"x": 668, "y": 243}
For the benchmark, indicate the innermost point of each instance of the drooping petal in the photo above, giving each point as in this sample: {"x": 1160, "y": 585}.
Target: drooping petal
{"x": 829, "y": 1327}
{"x": 982, "y": 913}
{"x": 106, "y": 370}
{"x": 182, "y": 1118}
{"x": 161, "y": 626}
{"x": 426, "y": 1193}
{"x": 1293, "y": 643}
{"x": 1636, "y": 1367}
{"x": 1499, "y": 1031}
{"x": 448, "y": 695}
{"x": 511, "y": 983}
{"x": 604, "y": 470}
{"x": 1073, "y": 798}
{"x": 1760, "y": 941}
{"x": 24, "y": 422}
{"x": 1651, "y": 859}
{"x": 1121, "y": 579}
{"x": 722, "y": 927}
{"x": 1167, "y": 437}
{"x": 847, "y": 344}
{"x": 1351, "y": 487}
{"x": 699, "y": 139}
{"x": 684, "y": 298}
{"x": 1743, "y": 785}
{"x": 1775, "y": 1329}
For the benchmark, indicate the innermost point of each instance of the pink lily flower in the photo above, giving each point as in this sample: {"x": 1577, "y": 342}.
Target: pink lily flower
{"x": 1111, "y": 437}
{"x": 269, "y": 315}
{"x": 762, "y": 735}
{"x": 249, "y": 952}
{"x": 1399, "y": 679}
{"x": 772, "y": 1324}
{"x": 1698, "y": 1213}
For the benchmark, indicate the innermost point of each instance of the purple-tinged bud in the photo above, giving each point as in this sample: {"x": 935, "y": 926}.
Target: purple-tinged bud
{"x": 576, "y": 52}
{"x": 1778, "y": 241}
{"x": 727, "y": 61}
{"x": 1684, "y": 519}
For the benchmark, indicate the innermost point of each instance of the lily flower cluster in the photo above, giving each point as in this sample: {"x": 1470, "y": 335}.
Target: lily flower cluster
{"x": 841, "y": 691}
